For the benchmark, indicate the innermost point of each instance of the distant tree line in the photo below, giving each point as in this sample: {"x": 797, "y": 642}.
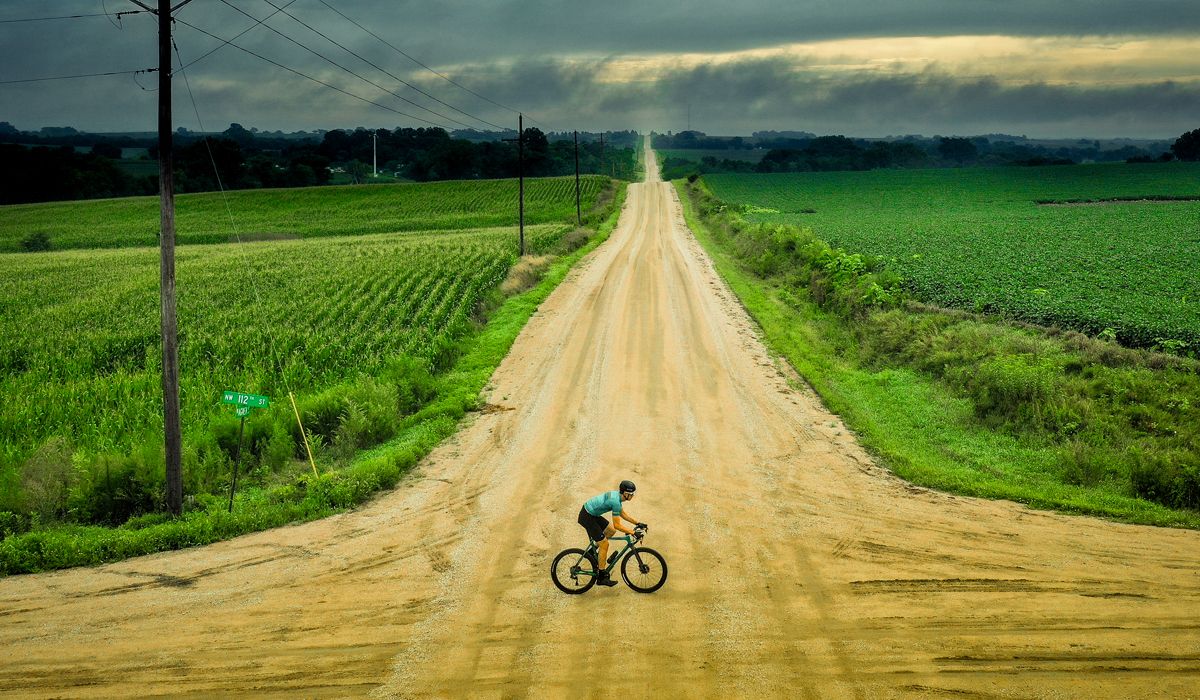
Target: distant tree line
{"x": 433, "y": 154}
{"x": 759, "y": 139}
{"x": 60, "y": 163}
{"x": 787, "y": 152}
{"x": 1187, "y": 146}
{"x": 43, "y": 174}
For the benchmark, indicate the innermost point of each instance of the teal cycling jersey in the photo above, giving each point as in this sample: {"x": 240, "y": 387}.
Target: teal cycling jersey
{"x": 605, "y": 502}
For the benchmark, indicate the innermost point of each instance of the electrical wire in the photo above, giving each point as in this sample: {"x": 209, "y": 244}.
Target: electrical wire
{"x": 426, "y": 67}
{"x": 278, "y": 365}
{"x": 237, "y": 36}
{"x": 414, "y": 60}
{"x": 119, "y": 23}
{"x": 382, "y": 70}
{"x": 282, "y": 9}
{"x": 97, "y": 14}
{"x": 309, "y": 77}
{"x": 347, "y": 70}
{"x": 82, "y": 75}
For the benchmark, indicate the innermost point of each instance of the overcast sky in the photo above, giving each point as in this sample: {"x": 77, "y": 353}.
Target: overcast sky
{"x": 1098, "y": 68}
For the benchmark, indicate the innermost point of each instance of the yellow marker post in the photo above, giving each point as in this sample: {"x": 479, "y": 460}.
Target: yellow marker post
{"x": 303, "y": 434}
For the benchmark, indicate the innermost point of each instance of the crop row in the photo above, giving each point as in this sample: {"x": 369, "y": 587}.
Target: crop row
{"x": 977, "y": 239}
{"x": 302, "y": 213}
{"x": 79, "y": 335}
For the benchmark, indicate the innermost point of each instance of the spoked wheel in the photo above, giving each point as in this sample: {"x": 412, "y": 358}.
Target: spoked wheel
{"x": 573, "y": 571}
{"x": 644, "y": 570}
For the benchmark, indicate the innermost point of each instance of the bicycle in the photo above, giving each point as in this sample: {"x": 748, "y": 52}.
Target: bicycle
{"x": 644, "y": 570}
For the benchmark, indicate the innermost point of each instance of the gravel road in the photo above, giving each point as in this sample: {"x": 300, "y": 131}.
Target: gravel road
{"x": 798, "y": 568}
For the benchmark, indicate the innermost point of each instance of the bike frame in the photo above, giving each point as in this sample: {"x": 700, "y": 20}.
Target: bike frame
{"x": 592, "y": 548}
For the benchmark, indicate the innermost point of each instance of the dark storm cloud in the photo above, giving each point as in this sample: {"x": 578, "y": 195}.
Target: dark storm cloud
{"x": 532, "y": 27}
{"x": 541, "y": 56}
{"x": 743, "y": 96}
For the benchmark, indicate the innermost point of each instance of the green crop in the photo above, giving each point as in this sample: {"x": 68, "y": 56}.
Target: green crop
{"x": 79, "y": 330}
{"x": 302, "y": 212}
{"x": 978, "y": 239}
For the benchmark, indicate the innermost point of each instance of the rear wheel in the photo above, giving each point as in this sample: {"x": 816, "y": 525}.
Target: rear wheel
{"x": 644, "y": 570}
{"x": 573, "y": 571}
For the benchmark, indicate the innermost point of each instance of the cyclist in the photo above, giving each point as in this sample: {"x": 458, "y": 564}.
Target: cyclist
{"x": 592, "y": 520}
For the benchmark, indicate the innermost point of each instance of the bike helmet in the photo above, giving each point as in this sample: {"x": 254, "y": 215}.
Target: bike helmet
{"x": 628, "y": 486}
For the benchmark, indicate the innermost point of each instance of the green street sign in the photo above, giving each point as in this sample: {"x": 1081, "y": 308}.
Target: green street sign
{"x": 243, "y": 411}
{"x": 245, "y": 400}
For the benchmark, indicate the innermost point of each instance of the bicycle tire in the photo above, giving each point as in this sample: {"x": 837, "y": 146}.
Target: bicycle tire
{"x": 572, "y": 583}
{"x": 649, "y": 570}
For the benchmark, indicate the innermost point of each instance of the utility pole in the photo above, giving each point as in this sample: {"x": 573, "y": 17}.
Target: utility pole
{"x": 374, "y": 156}
{"x": 170, "y": 347}
{"x": 166, "y": 187}
{"x": 578, "y": 215}
{"x": 521, "y": 176}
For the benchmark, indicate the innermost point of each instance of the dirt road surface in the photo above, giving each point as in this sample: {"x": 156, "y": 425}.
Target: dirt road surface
{"x": 797, "y": 567}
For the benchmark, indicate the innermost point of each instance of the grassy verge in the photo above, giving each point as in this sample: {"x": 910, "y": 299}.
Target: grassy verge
{"x": 305, "y": 496}
{"x": 960, "y": 402}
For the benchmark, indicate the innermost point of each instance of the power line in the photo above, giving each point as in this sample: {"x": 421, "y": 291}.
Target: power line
{"x": 97, "y": 14}
{"x": 356, "y": 75}
{"x": 309, "y": 77}
{"x": 237, "y": 36}
{"x": 82, "y": 75}
{"x": 383, "y": 70}
{"x": 278, "y": 365}
{"x": 419, "y": 63}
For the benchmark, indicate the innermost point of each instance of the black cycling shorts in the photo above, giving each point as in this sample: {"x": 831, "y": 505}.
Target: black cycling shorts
{"x": 594, "y": 524}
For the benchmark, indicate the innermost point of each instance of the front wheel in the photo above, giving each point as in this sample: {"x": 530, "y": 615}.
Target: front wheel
{"x": 644, "y": 570}
{"x": 573, "y": 571}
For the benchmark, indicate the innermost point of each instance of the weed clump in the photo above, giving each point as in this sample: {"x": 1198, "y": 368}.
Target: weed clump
{"x": 36, "y": 242}
{"x": 847, "y": 283}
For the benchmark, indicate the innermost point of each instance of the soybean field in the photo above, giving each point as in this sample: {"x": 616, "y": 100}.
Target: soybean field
{"x": 1108, "y": 249}
{"x": 297, "y": 213}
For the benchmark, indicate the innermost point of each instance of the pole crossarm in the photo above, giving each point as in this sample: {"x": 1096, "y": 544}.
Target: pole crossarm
{"x": 147, "y": 8}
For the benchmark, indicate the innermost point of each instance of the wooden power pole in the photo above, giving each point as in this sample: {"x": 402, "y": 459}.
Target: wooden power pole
{"x": 166, "y": 187}
{"x": 521, "y": 174}
{"x": 578, "y": 215}
{"x": 520, "y": 177}
{"x": 170, "y": 347}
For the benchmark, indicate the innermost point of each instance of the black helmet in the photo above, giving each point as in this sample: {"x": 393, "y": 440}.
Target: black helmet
{"x": 628, "y": 486}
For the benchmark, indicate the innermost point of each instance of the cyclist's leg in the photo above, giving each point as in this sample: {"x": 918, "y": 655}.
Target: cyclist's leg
{"x": 597, "y": 529}
{"x": 603, "y": 546}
